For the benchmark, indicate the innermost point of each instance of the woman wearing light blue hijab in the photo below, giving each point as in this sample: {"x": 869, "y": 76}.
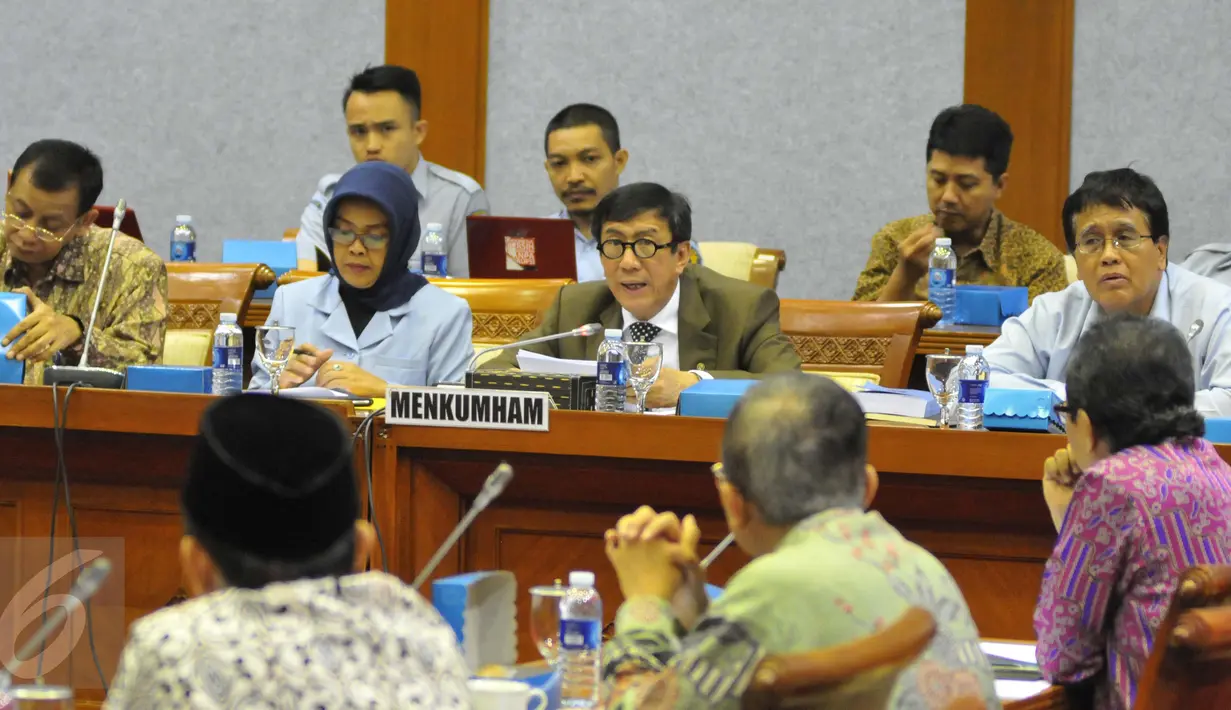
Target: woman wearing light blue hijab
{"x": 370, "y": 323}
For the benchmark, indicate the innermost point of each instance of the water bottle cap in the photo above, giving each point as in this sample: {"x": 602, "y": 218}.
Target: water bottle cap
{"x": 183, "y": 219}
{"x": 581, "y": 579}
{"x": 974, "y": 349}
{"x": 228, "y": 318}
{"x": 435, "y": 227}
{"x": 613, "y": 334}
{"x": 944, "y": 242}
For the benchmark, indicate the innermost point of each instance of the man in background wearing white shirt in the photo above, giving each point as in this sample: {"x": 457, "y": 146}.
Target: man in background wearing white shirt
{"x": 382, "y": 106}
{"x": 708, "y": 325}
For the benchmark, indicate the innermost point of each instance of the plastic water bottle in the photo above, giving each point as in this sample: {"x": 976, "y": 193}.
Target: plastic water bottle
{"x": 228, "y": 356}
{"x": 435, "y": 257}
{"x": 942, "y": 278}
{"x": 183, "y": 240}
{"x": 973, "y": 373}
{"x": 581, "y": 638}
{"x": 611, "y": 389}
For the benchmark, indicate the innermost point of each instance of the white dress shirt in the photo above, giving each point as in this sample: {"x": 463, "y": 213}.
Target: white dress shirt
{"x": 668, "y": 322}
{"x": 1038, "y": 343}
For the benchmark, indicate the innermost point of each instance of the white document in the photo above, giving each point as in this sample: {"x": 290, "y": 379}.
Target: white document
{"x": 548, "y": 365}
{"x": 313, "y": 393}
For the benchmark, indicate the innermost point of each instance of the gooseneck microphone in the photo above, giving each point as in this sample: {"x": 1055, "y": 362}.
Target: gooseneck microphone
{"x": 718, "y": 549}
{"x": 87, "y": 584}
{"x": 1194, "y": 330}
{"x": 492, "y": 488}
{"x": 583, "y": 332}
{"x": 82, "y": 373}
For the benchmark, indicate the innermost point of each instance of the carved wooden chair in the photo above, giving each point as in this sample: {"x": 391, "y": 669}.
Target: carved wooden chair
{"x": 744, "y": 261}
{"x": 129, "y": 226}
{"x": 859, "y": 674}
{"x": 198, "y": 294}
{"x": 858, "y": 337}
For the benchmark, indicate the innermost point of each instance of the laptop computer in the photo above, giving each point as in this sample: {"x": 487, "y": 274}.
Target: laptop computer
{"x": 520, "y": 248}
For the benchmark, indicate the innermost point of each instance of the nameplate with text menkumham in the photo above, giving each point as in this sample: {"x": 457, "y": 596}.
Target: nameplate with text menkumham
{"x": 467, "y": 408}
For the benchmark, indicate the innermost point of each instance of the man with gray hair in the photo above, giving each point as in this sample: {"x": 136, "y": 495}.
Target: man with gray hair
{"x": 794, "y": 484}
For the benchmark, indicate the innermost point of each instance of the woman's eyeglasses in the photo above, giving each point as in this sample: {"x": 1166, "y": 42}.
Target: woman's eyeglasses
{"x": 345, "y": 237}
{"x": 1063, "y": 410}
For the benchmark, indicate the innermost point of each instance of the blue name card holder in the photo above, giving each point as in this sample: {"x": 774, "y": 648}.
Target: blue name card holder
{"x": 169, "y": 378}
{"x": 481, "y": 608}
{"x": 713, "y": 398}
{"x": 12, "y": 311}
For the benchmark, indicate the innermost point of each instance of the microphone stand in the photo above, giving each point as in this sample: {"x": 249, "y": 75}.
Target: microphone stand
{"x": 82, "y": 373}
{"x": 584, "y": 331}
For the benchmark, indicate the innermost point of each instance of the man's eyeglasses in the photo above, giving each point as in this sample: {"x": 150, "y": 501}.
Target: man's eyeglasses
{"x": 643, "y": 248}
{"x": 13, "y": 224}
{"x": 346, "y": 238}
{"x": 718, "y": 471}
{"x": 1128, "y": 241}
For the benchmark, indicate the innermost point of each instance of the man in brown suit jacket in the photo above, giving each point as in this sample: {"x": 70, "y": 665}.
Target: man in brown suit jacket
{"x": 708, "y": 324}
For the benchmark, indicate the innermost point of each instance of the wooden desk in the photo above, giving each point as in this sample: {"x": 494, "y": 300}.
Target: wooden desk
{"x": 935, "y": 340}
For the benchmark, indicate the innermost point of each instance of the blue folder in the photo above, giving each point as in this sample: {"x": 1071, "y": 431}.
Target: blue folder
{"x": 279, "y": 256}
{"x": 12, "y": 311}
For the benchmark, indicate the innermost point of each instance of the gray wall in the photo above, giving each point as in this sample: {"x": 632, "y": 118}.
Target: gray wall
{"x": 229, "y": 112}
{"x": 1151, "y": 87}
{"x": 798, "y": 124}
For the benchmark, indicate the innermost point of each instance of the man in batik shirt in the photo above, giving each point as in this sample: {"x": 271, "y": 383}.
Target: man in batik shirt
{"x": 52, "y": 252}
{"x": 794, "y": 485}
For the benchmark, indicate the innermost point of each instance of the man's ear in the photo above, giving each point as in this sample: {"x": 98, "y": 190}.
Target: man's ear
{"x": 365, "y": 544}
{"x": 734, "y": 506}
{"x": 90, "y": 218}
{"x": 621, "y": 160}
{"x": 10, "y": 185}
{"x": 1000, "y": 184}
{"x": 872, "y": 481}
{"x": 420, "y": 131}
{"x": 199, "y": 574}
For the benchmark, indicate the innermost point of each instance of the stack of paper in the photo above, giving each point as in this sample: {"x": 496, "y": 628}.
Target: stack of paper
{"x": 918, "y": 404}
{"x": 545, "y": 364}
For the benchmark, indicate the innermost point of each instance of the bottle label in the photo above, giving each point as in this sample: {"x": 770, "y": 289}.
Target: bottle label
{"x": 435, "y": 265}
{"x": 940, "y": 278}
{"x": 231, "y": 358}
{"x": 581, "y": 634}
{"x": 972, "y": 391}
{"x": 183, "y": 251}
{"x": 612, "y": 373}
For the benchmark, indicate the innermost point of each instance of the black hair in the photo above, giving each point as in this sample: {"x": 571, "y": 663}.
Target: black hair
{"x": 248, "y": 571}
{"x": 971, "y": 131}
{"x": 60, "y": 165}
{"x": 388, "y": 77}
{"x": 796, "y": 445}
{"x": 625, "y": 203}
{"x": 585, "y": 115}
{"x": 1133, "y": 376}
{"x": 1122, "y": 188}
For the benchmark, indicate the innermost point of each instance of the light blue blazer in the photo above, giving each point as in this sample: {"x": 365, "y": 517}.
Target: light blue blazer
{"x": 424, "y": 341}
{"x": 1038, "y": 343}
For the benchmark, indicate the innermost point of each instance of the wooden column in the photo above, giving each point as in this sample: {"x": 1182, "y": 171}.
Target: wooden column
{"x": 1019, "y": 63}
{"x": 445, "y": 41}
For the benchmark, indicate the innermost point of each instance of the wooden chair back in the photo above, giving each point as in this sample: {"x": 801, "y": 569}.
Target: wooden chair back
{"x": 1190, "y": 664}
{"x": 504, "y": 309}
{"x": 129, "y": 225}
{"x": 766, "y": 266}
{"x": 200, "y": 293}
{"x": 859, "y": 674}
{"x": 858, "y": 337}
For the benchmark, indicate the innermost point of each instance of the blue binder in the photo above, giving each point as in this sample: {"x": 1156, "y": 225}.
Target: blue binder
{"x": 12, "y": 310}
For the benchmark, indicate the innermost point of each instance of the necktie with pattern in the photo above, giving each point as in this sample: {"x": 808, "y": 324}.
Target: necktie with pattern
{"x": 643, "y": 332}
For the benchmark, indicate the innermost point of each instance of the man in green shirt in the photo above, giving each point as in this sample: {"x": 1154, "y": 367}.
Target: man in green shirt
{"x": 794, "y": 484}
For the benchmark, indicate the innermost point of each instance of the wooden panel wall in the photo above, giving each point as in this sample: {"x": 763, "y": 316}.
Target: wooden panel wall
{"x": 1019, "y": 63}
{"x": 445, "y": 41}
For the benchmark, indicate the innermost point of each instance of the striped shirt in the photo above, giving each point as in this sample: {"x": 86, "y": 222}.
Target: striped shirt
{"x": 1138, "y": 518}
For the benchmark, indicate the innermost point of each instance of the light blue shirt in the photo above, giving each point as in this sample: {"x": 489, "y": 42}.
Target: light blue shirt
{"x": 446, "y": 197}
{"x": 1038, "y": 343}
{"x": 424, "y": 341}
{"x": 589, "y": 260}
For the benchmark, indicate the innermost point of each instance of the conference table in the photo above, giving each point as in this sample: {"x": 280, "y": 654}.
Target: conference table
{"x": 971, "y": 498}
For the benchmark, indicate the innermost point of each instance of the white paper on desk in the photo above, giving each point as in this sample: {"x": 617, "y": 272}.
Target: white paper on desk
{"x": 1020, "y": 652}
{"x": 548, "y": 365}
{"x": 1006, "y": 381}
{"x": 315, "y": 393}
{"x": 1019, "y": 689}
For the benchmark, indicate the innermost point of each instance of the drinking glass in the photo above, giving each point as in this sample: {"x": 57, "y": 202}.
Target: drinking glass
{"x": 644, "y": 362}
{"x": 545, "y": 619}
{"x": 942, "y": 382}
{"x": 41, "y": 697}
{"x": 273, "y": 347}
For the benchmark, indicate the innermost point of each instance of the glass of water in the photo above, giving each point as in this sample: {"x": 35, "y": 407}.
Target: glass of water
{"x": 645, "y": 362}
{"x": 941, "y": 373}
{"x": 273, "y": 347}
{"x": 545, "y": 619}
{"x": 41, "y": 697}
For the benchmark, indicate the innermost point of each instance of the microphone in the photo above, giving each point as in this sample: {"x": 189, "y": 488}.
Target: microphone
{"x": 87, "y": 584}
{"x": 492, "y": 488}
{"x": 714, "y": 553}
{"x": 584, "y": 331}
{"x": 82, "y": 373}
{"x": 1193, "y": 330}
